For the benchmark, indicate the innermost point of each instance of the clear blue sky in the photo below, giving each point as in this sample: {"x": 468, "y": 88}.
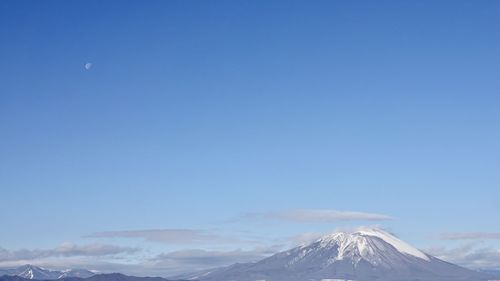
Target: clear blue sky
{"x": 196, "y": 113}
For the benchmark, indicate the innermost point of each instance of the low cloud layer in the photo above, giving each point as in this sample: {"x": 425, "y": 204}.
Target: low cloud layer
{"x": 164, "y": 264}
{"x": 318, "y": 216}
{"x": 183, "y": 236}
{"x": 144, "y": 262}
{"x": 197, "y": 259}
{"x": 65, "y": 250}
{"x": 469, "y": 255}
{"x": 470, "y": 236}
{"x": 305, "y": 238}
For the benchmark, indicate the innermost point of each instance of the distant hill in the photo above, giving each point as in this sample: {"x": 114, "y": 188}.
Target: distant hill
{"x": 96, "y": 277}
{"x": 29, "y": 271}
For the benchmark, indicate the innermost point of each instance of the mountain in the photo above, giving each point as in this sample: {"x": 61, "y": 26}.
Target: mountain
{"x": 113, "y": 277}
{"x": 122, "y": 277}
{"x": 34, "y": 272}
{"x": 364, "y": 255}
{"x": 96, "y": 277}
{"x": 81, "y": 273}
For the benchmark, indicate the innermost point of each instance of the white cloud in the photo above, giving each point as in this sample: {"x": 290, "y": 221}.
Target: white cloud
{"x": 112, "y": 258}
{"x": 164, "y": 264}
{"x": 318, "y": 215}
{"x": 470, "y": 255}
{"x": 66, "y": 249}
{"x": 470, "y": 236}
{"x": 177, "y": 236}
{"x": 305, "y": 238}
{"x": 197, "y": 259}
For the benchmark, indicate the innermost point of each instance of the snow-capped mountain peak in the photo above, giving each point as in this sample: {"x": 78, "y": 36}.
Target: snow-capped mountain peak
{"x": 34, "y": 272}
{"x": 29, "y": 271}
{"x": 361, "y": 242}
{"x": 400, "y": 245}
{"x": 81, "y": 273}
{"x": 366, "y": 254}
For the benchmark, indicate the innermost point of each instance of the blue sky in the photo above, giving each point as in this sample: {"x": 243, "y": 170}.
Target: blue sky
{"x": 223, "y": 122}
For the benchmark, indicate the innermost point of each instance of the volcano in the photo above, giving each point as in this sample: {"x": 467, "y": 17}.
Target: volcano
{"x": 367, "y": 254}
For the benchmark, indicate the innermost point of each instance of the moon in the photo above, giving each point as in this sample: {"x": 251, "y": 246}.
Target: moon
{"x": 88, "y": 65}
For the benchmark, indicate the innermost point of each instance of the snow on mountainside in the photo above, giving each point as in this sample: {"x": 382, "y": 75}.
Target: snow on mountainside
{"x": 395, "y": 242}
{"x": 34, "y": 272}
{"x": 366, "y": 254}
{"x": 82, "y": 273}
{"x": 96, "y": 277}
{"x": 363, "y": 244}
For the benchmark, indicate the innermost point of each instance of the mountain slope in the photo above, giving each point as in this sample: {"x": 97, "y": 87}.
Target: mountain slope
{"x": 29, "y": 271}
{"x": 81, "y": 273}
{"x": 363, "y": 255}
{"x": 97, "y": 277}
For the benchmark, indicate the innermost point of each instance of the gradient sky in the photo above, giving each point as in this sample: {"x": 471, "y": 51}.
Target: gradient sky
{"x": 222, "y": 125}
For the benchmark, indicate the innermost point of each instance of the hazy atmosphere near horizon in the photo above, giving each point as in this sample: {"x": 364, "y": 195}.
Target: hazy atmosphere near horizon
{"x": 157, "y": 138}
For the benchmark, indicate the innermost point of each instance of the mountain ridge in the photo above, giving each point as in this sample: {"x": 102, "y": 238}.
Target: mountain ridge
{"x": 95, "y": 277}
{"x": 29, "y": 271}
{"x": 366, "y": 254}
